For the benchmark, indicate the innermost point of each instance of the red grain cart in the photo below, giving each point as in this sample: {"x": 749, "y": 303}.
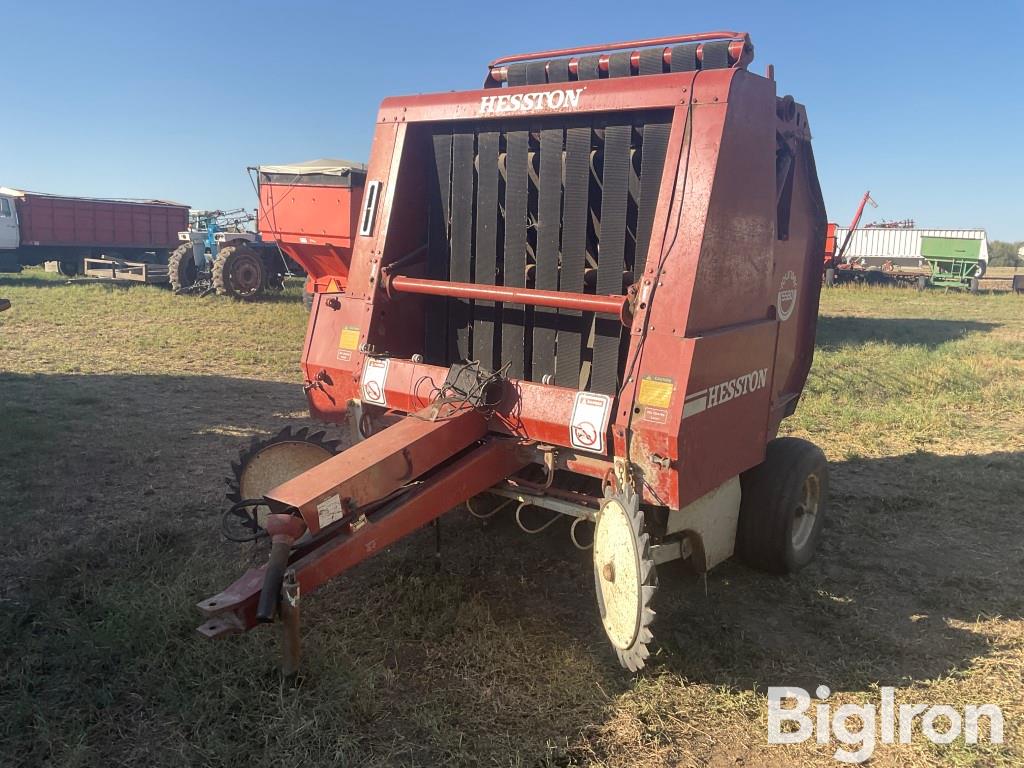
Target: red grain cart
{"x": 311, "y": 210}
{"x": 37, "y": 227}
{"x": 589, "y": 289}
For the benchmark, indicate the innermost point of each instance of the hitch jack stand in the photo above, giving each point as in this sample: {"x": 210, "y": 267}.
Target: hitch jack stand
{"x": 291, "y": 642}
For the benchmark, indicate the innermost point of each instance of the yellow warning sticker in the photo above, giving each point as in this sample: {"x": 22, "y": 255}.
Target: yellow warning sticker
{"x": 655, "y": 391}
{"x": 349, "y": 337}
{"x": 332, "y": 287}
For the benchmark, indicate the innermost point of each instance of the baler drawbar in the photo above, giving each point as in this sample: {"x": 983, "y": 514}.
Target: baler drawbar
{"x": 589, "y": 287}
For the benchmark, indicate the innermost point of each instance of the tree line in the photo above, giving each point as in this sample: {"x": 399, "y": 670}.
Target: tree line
{"x": 1002, "y": 254}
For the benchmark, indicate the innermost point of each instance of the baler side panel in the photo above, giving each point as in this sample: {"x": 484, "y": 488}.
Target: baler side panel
{"x": 736, "y": 252}
{"x": 797, "y": 284}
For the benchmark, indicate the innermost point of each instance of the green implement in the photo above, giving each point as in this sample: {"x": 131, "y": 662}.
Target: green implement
{"x": 954, "y": 261}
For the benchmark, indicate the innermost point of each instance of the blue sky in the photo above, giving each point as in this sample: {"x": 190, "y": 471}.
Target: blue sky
{"x": 921, "y": 102}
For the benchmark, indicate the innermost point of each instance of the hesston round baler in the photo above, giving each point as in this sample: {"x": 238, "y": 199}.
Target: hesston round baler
{"x": 590, "y": 288}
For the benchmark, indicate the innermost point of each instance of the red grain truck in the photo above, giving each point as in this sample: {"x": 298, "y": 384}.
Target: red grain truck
{"x": 37, "y": 227}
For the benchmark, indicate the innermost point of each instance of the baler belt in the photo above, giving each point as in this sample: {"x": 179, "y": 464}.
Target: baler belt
{"x": 549, "y": 222}
{"x": 574, "y": 248}
{"x": 558, "y": 71}
{"x": 536, "y": 72}
{"x": 517, "y": 74}
{"x": 651, "y": 61}
{"x": 684, "y": 58}
{"x": 612, "y": 251}
{"x": 460, "y": 310}
{"x": 715, "y": 55}
{"x": 436, "y": 321}
{"x": 486, "y": 268}
{"x": 652, "y": 162}
{"x": 587, "y": 68}
{"x": 513, "y": 317}
{"x": 618, "y": 64}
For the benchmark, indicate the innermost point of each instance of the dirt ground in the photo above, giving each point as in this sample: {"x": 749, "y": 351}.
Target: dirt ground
{"x": 120, "y": 410}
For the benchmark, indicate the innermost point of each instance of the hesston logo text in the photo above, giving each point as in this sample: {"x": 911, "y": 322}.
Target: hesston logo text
{"x": 566, "y": 98}
{"x": 724, "y": 392}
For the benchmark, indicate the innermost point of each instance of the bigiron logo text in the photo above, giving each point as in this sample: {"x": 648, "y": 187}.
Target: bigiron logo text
{"x": 565, "y": 98}
{"x": 725, "y": 391}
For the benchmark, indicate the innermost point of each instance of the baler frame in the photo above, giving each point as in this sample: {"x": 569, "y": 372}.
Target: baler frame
{"x": 681, "y": 358}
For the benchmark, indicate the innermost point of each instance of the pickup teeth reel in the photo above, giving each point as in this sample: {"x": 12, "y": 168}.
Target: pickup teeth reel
{"x": 625, "y": 577}
{"x": 264, "y": 465}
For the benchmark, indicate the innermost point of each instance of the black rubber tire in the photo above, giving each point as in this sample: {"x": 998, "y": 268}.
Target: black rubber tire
{"x": 181, "y": 267}
{"x": 68, "y": 267}
{"x": 830, "y": 277}
{"x": 239, "y": 272}
{"x": 922, "y": 283}
{"x": 272, "y": 262}
{"x": 772, "y": 492}
{"x": 975, "y": 285}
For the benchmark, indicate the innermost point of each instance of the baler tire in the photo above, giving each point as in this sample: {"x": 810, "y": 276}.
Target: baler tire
{"x": 224, "y": 268}
{"x": 68, "y": 267}
{"x": 181, "y": 267}
{"x": 830, "y": 277}
{"x": 773, "y": 492}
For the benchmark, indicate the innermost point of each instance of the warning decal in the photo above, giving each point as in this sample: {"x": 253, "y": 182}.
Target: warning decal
{"x": 589, "y": 424}
{"x": 330, "y": 509}
{"x": 375, "y": 373}
{"x": 656, "y": 391}
{"x": 349, "y": 337}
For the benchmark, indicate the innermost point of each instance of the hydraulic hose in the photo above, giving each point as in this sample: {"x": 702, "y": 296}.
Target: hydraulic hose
{"x": 272, "y": 580}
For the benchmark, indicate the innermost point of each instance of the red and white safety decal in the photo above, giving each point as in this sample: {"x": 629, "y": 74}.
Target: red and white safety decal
{"x": 589, "y": 425}
{"x": 375, "y": 374}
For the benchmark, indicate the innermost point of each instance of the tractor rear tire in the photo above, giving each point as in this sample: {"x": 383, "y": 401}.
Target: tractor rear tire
{"x": 240, "y": 272}
{"x": 181, "y": 267}
{"x": 783, "y": 506}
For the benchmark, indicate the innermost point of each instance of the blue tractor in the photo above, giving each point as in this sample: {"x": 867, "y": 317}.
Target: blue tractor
{"x": 218, "y": 253}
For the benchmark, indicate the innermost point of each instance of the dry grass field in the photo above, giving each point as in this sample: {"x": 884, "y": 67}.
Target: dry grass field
{"x": 120, "y": 409}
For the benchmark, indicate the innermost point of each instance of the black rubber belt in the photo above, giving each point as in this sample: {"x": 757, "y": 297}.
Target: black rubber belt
{"x": 651, "y": 61}
{"x": 436, "y": 321}
{"x": 574, "y": 247}
{"x": 549, "y": 220}
{"x": 460, "y": 311}
{"x": 715, "y": 55}
{"x": 611, "y": 253}
{"x": 513, "y": 317}
{"x": 652, "y": 163}
{"x": 618, "y": 64}
{"x": 558, "y": 71}
{"x": 516, "y": 75}
{"x": 536, "y": 73}
{"x": 486, "y": 261}
{"x": 587, "y": 68}
{"x": 684, "y": 58}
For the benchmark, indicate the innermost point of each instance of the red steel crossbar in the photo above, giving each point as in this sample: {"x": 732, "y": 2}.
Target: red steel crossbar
{"x": 583, "y": 302}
